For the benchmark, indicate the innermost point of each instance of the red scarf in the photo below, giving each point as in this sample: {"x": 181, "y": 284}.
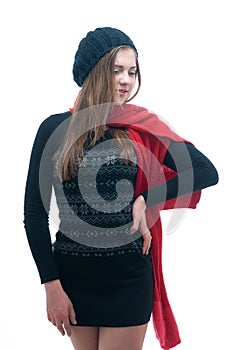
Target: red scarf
{"x": 149, "y": 133}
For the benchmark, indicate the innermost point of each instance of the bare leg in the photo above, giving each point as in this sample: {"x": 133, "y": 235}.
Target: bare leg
{"x": 122, "y": 338}
{"x": 84, "y": 338}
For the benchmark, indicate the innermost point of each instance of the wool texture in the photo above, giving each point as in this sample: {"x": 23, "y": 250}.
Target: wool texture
{"x": 94, "y": 46}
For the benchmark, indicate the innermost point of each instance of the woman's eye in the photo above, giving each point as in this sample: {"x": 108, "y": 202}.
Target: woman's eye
{"x": 131, "y": 73}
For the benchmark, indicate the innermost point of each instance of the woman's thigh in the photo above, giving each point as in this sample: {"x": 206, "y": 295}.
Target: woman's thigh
{"x": 84, "y": 338}
{"x": 124, "y": 338}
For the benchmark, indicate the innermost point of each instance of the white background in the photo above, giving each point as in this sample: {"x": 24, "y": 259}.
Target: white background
{"x": 186, "y": 57}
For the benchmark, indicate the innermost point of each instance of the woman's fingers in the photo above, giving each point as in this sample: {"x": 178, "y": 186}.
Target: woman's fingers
{"x": 146, "y": 234}
{"x": 146, "y": 242}
{"x": 66, "y": 327}
{"x": 62, "y": 322}
{"x": 71, "y": 318}
{"x": 72, "y": 315}
{"x": 59, "y": 325}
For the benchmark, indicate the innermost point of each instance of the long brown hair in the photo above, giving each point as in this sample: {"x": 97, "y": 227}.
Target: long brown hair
{"x": 91, "y": 110}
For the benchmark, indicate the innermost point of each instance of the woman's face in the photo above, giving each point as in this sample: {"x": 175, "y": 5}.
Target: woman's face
{"x": 125, "y": 71}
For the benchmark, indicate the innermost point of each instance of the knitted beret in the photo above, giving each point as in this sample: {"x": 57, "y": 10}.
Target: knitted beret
{"x": 93, "y": 47}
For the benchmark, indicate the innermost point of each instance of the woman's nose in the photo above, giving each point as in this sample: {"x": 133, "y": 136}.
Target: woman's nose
{"x": 124, "y": 78}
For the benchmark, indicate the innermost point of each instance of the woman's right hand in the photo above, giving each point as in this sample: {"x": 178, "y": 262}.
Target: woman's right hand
{"x": 60, "y": 310}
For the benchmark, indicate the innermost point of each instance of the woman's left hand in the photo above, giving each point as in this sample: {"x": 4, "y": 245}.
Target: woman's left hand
{"x": 139, "y": 223}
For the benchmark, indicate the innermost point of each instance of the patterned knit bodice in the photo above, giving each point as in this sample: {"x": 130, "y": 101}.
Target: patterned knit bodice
{"x": 95, "y": 206}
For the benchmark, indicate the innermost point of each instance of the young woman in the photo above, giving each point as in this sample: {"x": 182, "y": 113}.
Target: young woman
{"x": 113, "y": 166}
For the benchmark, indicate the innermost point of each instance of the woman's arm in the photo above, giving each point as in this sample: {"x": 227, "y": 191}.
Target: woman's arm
{"x": 37, "y": 202}
{"x": 194, "y": 172}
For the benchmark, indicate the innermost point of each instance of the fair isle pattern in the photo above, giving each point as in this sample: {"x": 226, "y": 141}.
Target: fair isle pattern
{"x": 96, "y": 205}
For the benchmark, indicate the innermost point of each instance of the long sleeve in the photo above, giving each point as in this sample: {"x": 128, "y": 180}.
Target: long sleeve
{"x": 194, "y": 172}
{"x": 37, "y": 202}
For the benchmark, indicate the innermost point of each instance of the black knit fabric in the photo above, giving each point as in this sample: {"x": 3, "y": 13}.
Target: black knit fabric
{"x": 94, "y": 46}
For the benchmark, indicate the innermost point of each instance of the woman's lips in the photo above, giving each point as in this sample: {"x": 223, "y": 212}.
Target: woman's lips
{"x": 123, "y": 92}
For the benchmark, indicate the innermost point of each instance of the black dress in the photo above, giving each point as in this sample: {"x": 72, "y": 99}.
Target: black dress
{"x": 108, "y": 291}
{"x": 101, "y": 266}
